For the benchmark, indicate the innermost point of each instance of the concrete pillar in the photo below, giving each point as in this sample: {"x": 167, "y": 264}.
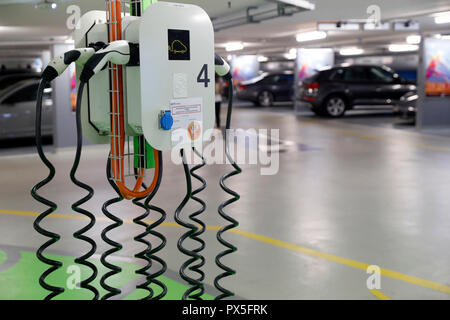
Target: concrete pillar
{"x": 45, "y": 58}
{"x": 433, "y": 111}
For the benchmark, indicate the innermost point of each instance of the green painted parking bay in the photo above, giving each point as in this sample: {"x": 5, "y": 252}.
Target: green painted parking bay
{"x": 20, "y": 281}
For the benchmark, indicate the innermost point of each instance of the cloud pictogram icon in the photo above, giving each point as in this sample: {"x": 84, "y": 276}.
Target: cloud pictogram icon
{"x": 178, "y": 47}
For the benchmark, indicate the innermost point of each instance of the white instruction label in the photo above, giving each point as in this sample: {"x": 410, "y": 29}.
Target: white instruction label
{"x": 180, "y": 85}
{"x": 187, "y": 120}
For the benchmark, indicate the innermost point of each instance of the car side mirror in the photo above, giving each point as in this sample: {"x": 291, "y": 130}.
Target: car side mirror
{"x": 399, "y": 80}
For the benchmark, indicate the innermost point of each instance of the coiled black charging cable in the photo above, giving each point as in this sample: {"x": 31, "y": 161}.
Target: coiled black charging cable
{"x": 225, "y": 293}
{"x": 141, "y": 238}
{"x": 53, "y": 70}
{"x": 54, "y": 237}
{"x": 201, "y": 226}
{"x": 196, "y": 288}
{"x": 80, "y": 234}
{"x": 116, "y": 247}
{"x": 149, "y": 254}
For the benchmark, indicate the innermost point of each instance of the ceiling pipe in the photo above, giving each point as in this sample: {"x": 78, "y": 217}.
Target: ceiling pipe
{"x": 257, "y": 14}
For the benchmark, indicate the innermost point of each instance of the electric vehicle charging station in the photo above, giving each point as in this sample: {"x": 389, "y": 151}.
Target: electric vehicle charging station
{"x": 147, "y": 78}
{"x": 183, "y": 84}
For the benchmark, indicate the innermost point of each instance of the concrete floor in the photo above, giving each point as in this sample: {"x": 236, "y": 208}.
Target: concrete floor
{"x": 347, "y": 195}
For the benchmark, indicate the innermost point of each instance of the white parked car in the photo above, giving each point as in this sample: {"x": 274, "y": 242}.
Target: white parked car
{"x": 18, "y": 110}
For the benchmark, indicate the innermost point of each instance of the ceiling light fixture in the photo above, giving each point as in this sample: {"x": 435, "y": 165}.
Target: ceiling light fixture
{"x": 413, "y": 39}
{"x": 406, "y": 25}
{"x": 442, "y": 17}
{"x": 351, "y": 51}
{"x": 290, "y": 56}
{"x": 262, "y": 59}
{"x": 234, "y": 46}
{"x": 338, "y": 26}
{"x": 310, "y": 36}
{"x": 403, "y": 47}
{"x": 377, "y": 26}
{"x": 46, "y": 4}
{"x": 443, "y": 36}
{"x": 300, "y": 3}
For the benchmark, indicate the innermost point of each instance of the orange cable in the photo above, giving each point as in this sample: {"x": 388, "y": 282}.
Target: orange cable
{"x": 118, "y": 138}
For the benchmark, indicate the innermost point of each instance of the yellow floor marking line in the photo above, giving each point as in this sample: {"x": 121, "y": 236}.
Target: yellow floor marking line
{"x": 78, "y": 217}
{"x": 344, "y": 261}
{"x": 311, "y": 252}
{"x": 308, "y": 122}
{"x": 358, "y": 134}
{"x": 380, "y": 295}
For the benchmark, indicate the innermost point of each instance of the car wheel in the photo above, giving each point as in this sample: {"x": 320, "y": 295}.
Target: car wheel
{"x": 265, "y": 99}
{"x": 335, "y": 106}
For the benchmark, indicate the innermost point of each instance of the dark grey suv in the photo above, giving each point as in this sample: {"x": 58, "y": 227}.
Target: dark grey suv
{"x": 267, "y": 89}
{"x": 333, "y": 91}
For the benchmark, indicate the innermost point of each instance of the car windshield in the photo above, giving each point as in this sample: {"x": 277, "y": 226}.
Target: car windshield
{"x": 255, "y": 79}
{"x": 382, "y": 75}
{"x": 312, "y": 78}
{"x": 7, "y": 90}
{"x": 26, "y": 92}
{"x": 9, "y": 80}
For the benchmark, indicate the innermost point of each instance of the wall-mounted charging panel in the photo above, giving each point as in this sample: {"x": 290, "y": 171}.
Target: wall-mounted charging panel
{"x": 132, "y": 83}
{"x": 96, "y": 97}
{"x": 92, "y": 28}
{"x": 177, "y": 75}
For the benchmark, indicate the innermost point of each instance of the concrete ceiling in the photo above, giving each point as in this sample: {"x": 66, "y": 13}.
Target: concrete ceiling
{"x": 25, "y": 23}
{"x": 21, "y": 21}
{"x": 280, "y": 33}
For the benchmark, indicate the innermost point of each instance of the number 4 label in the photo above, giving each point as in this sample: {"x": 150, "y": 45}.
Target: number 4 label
{"x": 203, "y": 76}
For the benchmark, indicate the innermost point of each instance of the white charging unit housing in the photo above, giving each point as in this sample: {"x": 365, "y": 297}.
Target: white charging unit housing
{"x": 92, "y": 28}
{"x": 177, "y": 74}
{"x": 95, "y": 108}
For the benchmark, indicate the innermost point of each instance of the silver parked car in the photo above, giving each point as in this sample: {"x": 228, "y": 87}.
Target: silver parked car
{"x": 18, "y": 110}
